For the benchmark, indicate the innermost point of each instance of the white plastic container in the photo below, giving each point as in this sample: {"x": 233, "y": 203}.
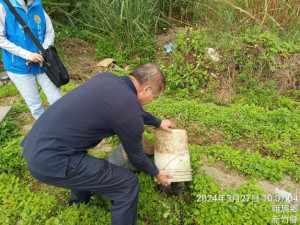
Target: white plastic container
{"x": 171, "y": 153}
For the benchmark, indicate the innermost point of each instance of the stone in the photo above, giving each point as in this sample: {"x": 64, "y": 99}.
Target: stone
{"x": 119, "y": 157}
{"x": 4, "y": 110}
{"x": 3, "y": 76}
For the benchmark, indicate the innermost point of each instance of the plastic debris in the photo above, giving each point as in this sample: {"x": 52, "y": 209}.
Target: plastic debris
{"x": 213, "y": 54}
{"x": 116, "y": 67}
{"x": 169, "y": 47}
{"x": 106, "y": 62}
{"x": 214, "y": 75}
{"x": 284, "y": 195}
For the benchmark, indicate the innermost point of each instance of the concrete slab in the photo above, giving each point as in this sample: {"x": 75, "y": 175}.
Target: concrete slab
{"x": 4, "y": 110}
{"x": 3, "y": 76}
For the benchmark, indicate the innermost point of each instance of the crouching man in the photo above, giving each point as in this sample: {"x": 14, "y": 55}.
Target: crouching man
{"x": 56, "y": 147}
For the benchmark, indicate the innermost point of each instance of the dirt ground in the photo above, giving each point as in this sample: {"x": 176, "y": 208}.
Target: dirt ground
{"x": 231, "y": 179}
{"x": 78, "y": 56}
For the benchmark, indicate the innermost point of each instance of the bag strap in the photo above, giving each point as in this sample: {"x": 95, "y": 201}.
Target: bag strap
{"x": 25, "y": 27}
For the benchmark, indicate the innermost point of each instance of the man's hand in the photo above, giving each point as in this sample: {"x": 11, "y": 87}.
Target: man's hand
{"x": 163, "y": 177}
{"x": 167, "y": 125}
{"x": 35, "y": 57}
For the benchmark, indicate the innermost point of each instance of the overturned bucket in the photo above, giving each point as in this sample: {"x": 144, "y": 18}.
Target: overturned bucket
{"x": 171, "y": 153}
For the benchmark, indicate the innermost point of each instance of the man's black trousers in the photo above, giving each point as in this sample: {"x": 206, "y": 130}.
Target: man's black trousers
{"x": 119, "y": 185}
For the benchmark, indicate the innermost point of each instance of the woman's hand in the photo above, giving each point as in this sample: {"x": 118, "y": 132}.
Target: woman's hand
{"x": 35, "y": 57}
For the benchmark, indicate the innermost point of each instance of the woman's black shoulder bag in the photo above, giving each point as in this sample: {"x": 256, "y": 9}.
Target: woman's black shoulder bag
{"x": 53, "y": 66}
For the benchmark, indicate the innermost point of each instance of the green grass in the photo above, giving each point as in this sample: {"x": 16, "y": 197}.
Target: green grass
{"x": 232, "y": 16}
{"x": 250, "y": 164}
{"x": 22, "y": 201}
{"x": 247, "y": 63}
{"x": 20, "y": 205}
{"x": 8, "y": 131}
{"x": 120, "y": 21}
{"x": 8, "y": 91}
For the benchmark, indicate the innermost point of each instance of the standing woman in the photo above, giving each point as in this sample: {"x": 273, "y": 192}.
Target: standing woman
{"x": 18, "y": 47}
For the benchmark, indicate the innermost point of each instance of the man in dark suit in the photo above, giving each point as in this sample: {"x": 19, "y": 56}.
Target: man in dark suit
{"x": 55, "y": 149}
